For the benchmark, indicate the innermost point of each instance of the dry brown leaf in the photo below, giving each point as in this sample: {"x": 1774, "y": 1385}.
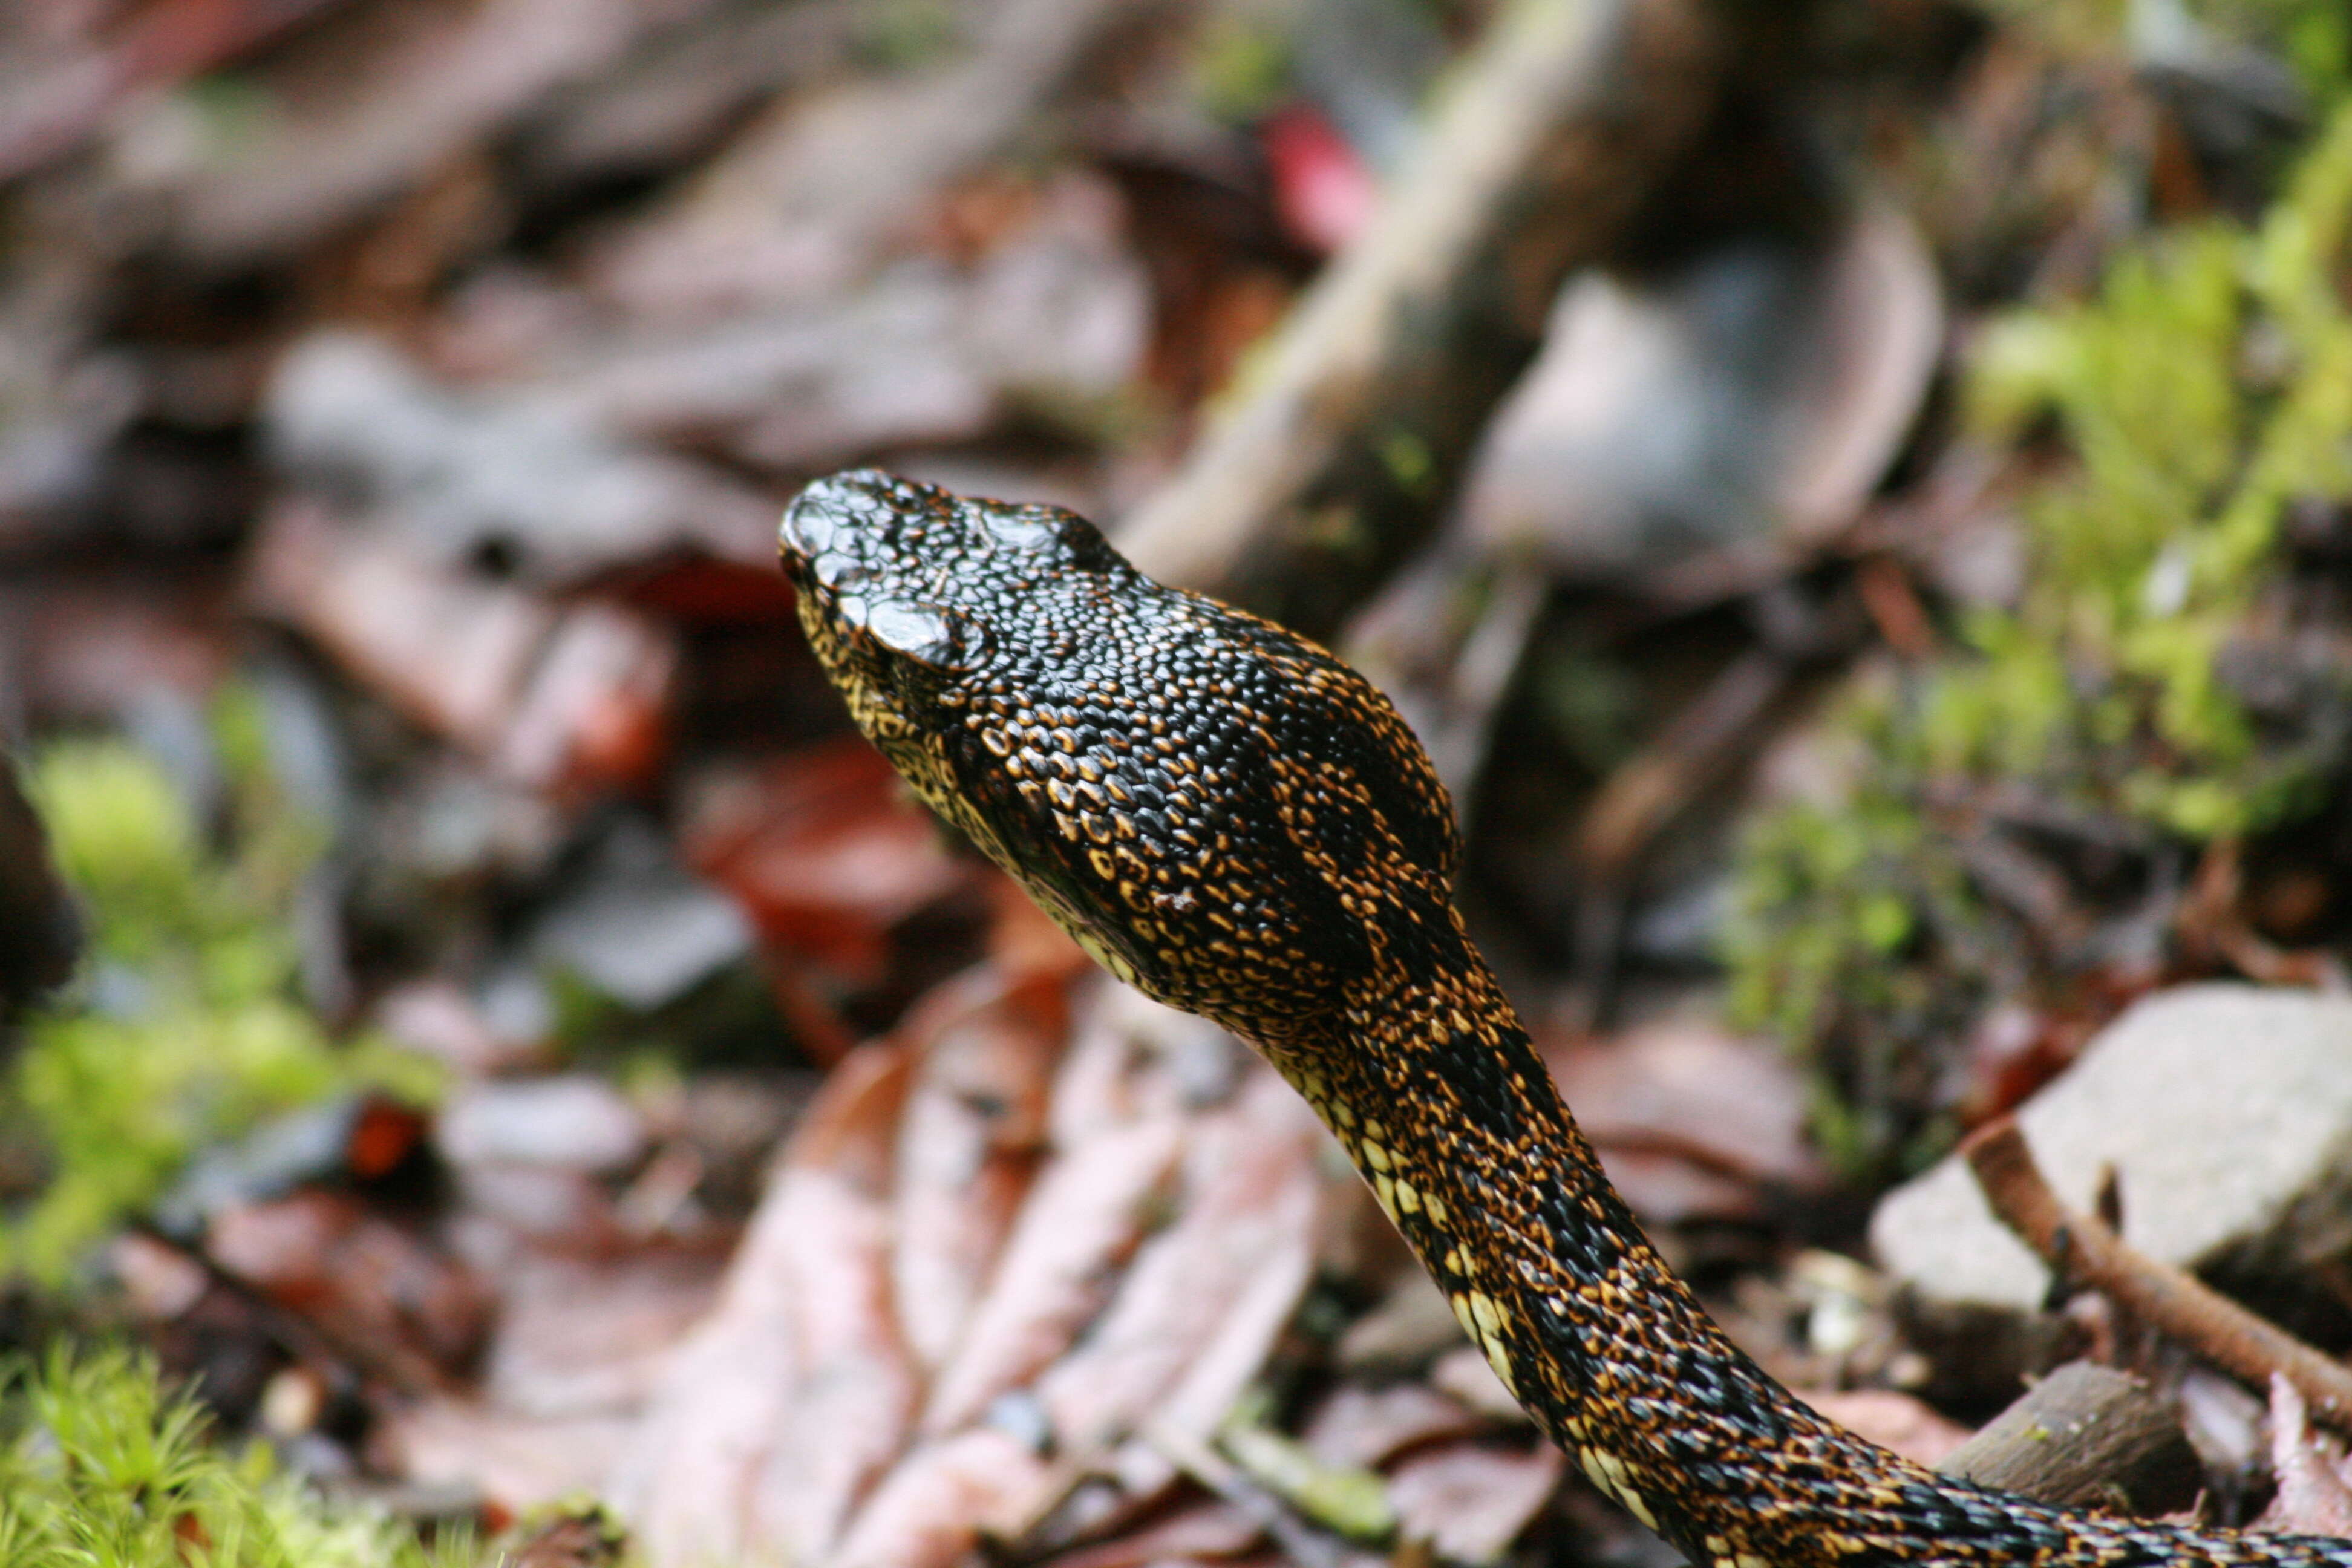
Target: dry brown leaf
{"x": 1471, "y": 1502}
{"x": 1666, "y": 1188}
{"x": 1883, "y": 309}
{"x": 1688, "y": 1116}
{"x": 361, "y": 108}
{"x": 436, "y": 1017}
{"x": 1465, "y": 1373}
{"x": 465, "y": 473}
{"x": 855, "y": 1385}
{"x": 577, "y": 1336}
{"x": 580, "y": 1535}
{"x": 1203, "y": 1310}
{"x": 1246, "y": 1225}
{"x": 1085, "y": 1216}
{"x": 81, "y": 63}
{"x": 686, "y": 1478}
{"x": 825, "y": 855}
{"x": 1116, "y": 1069}
{"x": 87, "y": 650}
{"x": 2314, "y": 1493}
{"x": 942, "y": 1499}
{"x": 1690, "y": 1084}
{"x": 1203, "y": 1530}
{"x": 969, "y": 1142}
{"x": 593, "y": 712}
{"x": 449, "y": 652}
{"x": 813, "y": 194}
{"x": 571, "y": 1121}
{"x": 567, "y": 698}
{"x": 516, "y": 1462}
{"x": 751, "y": 1448}
{"x": 548, "y": 1205}
{"x": 1023, "y": 940}
{"x": 370, "y": 1282}
{"x": 1359, "y": 1427}
{"x": 917, "y": 356}
{"x": 1752, "y": 396}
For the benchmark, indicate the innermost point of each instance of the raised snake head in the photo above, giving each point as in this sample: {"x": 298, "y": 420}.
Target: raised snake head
{"x": 1219, "y": 811}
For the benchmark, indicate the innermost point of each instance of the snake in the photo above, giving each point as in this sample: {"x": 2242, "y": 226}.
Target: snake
{"x": 1238, "y": 824}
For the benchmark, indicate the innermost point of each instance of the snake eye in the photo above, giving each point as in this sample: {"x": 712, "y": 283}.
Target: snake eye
{"x": 919, "y": 632}
{"x": 839, "y": 571}
{"x": 1029, "y": 528}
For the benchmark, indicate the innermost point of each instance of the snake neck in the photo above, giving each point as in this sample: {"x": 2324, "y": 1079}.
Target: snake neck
{"x": 1430, "y": 1082}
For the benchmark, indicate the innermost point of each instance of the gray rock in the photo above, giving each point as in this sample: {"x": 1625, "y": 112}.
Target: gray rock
{"x": 2226, "y": 1112}
{"x": 638, "y": 926}
{"x": 573, "y": 1122}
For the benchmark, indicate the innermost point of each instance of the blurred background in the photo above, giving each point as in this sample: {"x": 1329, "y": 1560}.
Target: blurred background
{"x": 1855, "y": 495}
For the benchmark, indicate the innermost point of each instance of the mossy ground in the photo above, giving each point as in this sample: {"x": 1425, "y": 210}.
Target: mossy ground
{"x": 2143, "y": 684}
{"x": 185, "y": 1027}
{"x": 102, "y": 1467}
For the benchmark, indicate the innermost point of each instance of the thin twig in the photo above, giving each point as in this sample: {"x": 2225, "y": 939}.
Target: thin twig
{"x": 1703, "y": 740}
{"x": 1357, "y": 426}
{"x": 351, "y": 1360}
{"x": 2083, "y": 1251}
{"x": 1302, "y": 1543}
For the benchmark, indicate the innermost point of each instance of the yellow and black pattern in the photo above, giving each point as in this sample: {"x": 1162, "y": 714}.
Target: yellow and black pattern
{"x": 1240, "y": 825}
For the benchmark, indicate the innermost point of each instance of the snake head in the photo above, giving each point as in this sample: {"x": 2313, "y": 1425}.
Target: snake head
{"x": 893, "y": 582}
{"x": 1219, "y": 812}
{"x": 874, "y": 560}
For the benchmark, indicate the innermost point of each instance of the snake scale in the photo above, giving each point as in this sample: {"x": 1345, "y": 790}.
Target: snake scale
{"x": 1234, "y": 822}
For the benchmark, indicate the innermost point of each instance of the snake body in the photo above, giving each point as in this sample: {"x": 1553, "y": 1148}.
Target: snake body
{"x": 1237, "y": 824}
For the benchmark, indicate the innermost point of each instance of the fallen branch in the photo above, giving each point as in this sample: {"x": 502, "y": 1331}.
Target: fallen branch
{"x": 2082, "y": 1251}
{"x": 1369, "y": 403}
{"x": 2085, "y": 1436}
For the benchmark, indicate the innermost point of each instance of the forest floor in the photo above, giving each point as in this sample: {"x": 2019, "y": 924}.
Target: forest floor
{"x": 1856, "y": 498}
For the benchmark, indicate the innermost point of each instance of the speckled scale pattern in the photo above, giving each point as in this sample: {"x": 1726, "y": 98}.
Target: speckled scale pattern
{"x": 1240, "y": 825}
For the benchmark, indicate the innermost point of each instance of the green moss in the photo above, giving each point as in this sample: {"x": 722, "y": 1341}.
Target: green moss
{"x": 2085, "y": 24}
{"x": 907, "y": 35}
{"x": 1840, "y": 939}
{"x": 2313, "y": 37}
{"x": 1240, "y": 65}
{"x": 2206, "y": 388}
{"x": 101, "y": 1467}
{"x": 185, "y": 1029}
